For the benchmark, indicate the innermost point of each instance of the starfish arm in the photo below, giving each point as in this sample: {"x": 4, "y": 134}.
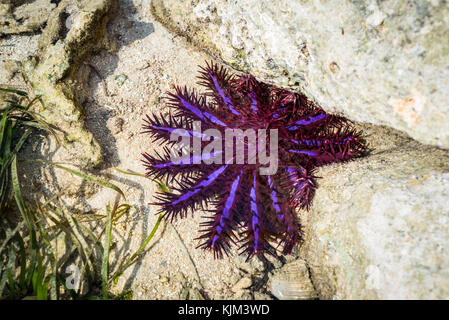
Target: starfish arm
{"x": 216, "y": 79}
{"x": 219, "y": 229}
{"x": 193, "y": 192}
{"x": 193, "y": 107}
{"x": 258, "y": 234}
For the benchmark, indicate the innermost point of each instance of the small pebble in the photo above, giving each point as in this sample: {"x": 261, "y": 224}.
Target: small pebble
{"x": 120, "y": 79}
{"x": 243, "y": 283}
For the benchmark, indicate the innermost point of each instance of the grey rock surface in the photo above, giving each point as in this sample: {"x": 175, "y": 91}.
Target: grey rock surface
{"x": 379, "y": 226}
{"x": 381, "y": 62}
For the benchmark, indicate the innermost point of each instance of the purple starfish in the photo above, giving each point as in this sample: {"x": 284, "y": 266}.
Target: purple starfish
{"x": 256, "y": 211}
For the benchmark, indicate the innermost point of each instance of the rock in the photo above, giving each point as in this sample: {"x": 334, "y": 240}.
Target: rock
{"x": 116, "y": 125}
{"x": 379, "y": 226}
{"x": 292, "y": 282}
{"x": 195, "y": 294}
{"x": 19, "y": 17}
{"x": 251, "y": 266}
{"x": 240, "y": 288}
{"x": 243, "y": 283}
{"x": 261, "y": 296}
{"x": 8, "y": 68}
{"x": 120, "y": 79}
{"x": 72, "y": 30}
{"x": 384, "y": 63}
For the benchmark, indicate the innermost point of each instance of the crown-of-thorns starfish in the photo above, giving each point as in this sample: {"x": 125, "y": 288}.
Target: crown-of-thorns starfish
{"x": 256, "y": 212}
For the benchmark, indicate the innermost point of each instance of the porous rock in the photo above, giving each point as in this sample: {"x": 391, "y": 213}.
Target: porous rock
{"x": 381, "y": 62}
{"x": 72, "y": 30}
{"x": 23, "y": 16}
{"x": 379, "y": 226}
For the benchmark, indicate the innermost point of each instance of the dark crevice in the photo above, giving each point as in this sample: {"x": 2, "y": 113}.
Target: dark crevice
{"x": 63, "y": 30}
{"x": 25, "y": 33}
{"x": 309, "y": 271}
{"x": 260, "y": 282}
